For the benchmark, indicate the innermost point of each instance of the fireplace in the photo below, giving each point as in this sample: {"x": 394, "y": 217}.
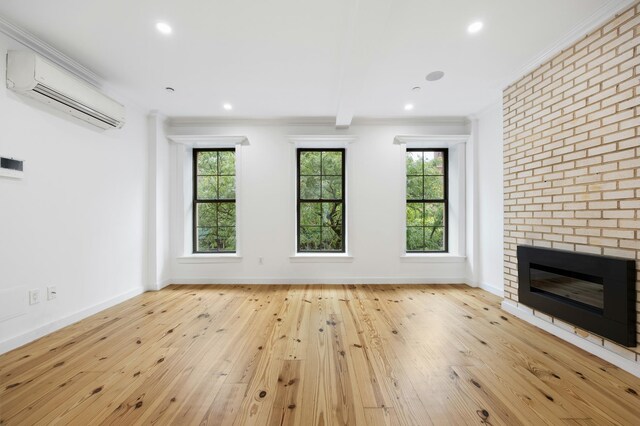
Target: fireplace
{"x": 596, "y": 293}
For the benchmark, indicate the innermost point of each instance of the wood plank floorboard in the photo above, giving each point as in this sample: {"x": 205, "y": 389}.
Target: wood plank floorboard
{"x": 311, "y": 355}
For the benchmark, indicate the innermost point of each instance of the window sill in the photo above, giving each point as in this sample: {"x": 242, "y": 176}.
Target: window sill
{"x": 210, "y": 258}
{"x": 432, "y": 258}
{"x": 321, "y": 258}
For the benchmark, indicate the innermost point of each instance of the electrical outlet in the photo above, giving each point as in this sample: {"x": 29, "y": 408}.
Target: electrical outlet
{"x": 52, "y": 292}
{"x": 34, "y": 296}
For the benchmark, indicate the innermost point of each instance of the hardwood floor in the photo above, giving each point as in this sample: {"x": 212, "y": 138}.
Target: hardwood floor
{"x": 303, "y": 355}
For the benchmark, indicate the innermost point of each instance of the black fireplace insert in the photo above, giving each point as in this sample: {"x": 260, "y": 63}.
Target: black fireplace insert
{"x": 596, "y": 293}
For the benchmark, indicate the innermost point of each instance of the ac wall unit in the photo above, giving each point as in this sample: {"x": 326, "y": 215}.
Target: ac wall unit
{"x": 30, "y": 74}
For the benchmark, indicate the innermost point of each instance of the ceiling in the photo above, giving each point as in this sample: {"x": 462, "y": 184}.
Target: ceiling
{"x": 304, "y": 58}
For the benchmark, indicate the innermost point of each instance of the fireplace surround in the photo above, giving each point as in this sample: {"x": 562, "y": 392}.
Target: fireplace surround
{"x": 594, "y": 292}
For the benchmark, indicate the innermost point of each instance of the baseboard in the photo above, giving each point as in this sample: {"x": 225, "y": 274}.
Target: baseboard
{"x": 491, "y": 289}
{"x": 329, "y": 280}
{"x": 486, "y": 287}
{"x": 38, "y": 332}
{"x": 592, "y": 348}
{"x": 162, "y": 284}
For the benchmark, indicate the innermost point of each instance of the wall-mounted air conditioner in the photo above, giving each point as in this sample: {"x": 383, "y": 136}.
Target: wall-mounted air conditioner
{"x": 30, "y": 74}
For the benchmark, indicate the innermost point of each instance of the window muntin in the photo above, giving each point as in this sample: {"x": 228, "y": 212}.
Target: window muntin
{"x": 427, "y": 200}
{"x": 214, "y": 201}
{"x": 321, "y": 200}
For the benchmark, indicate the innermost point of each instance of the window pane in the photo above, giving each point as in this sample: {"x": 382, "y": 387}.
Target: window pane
{"x": 331, "y": 240}
{"x": 433, "y": 187}
{"x": 226, "y": 238}
{"x": 207, "y": 163}
{"x": 415, "y": 213}
{"x": 310, "y": 214}
{"x": 309, "y": 238}
{"x": 414, "y": 187}
{"x": 414, "y": 163}
{"x": 226, "y": 214}
{"x": 433, "y": 163}
{"x": 206, "y": 239}
{"x": 226, "y": 187}
{"x": 214, "y": 219}
{"x": 332, "y": 163}
{"x": 434, "y": 214}
{"x": 434, "y": 239}
{"x": 426, "y": 180}
{"x": 310, "y": 187}
{"x": 415, "y": 238}
{"x": 207, "y": 187}
{"x": 207, "y": 214}
{"x": 310, "y": 163}
{"x": 227, "y": 163}
{"x": 332, "y": 215}
{"x": 321, "y": 177}
{"x": 331, "y": 187}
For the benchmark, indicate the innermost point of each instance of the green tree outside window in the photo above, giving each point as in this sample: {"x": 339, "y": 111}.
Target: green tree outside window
{"x": 427, "y": 200}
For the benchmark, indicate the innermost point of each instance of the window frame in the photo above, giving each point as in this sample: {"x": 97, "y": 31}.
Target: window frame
{"x": 444, "y": 200}
{"x": 299, "y": 151}
{"x": 196, "y": 201}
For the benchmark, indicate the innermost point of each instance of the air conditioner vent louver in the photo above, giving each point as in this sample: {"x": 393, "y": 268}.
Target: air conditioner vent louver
{"x": 59, "y": 97}
{"x": 33, "y": 76}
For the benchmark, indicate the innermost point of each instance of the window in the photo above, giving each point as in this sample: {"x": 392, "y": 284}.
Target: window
{"x": 320, "y": 200}
{"x": 427, "y": 200}
{"x": 214, "y": 201}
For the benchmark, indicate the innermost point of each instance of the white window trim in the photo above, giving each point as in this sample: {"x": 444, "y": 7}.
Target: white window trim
{"x": 321, "y": 141}
{"x": 321, "y": 258}
{"x": 456, "y": 144}
{"x": 184, "y": 171}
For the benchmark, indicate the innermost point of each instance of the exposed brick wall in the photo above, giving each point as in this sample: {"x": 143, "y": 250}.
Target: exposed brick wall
{"x": 572, "y": 154}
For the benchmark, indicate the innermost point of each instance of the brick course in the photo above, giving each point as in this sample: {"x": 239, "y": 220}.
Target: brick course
{"x": 572, "y": 155}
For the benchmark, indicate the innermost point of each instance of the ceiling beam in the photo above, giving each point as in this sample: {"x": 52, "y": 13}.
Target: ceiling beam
{"x": 366, "y": 22}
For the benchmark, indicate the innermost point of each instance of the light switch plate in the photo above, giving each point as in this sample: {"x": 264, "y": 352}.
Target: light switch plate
{"x": 52, "y": 292}
{"x": 34, "y": 296}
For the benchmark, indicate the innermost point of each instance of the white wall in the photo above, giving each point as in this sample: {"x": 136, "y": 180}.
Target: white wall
{"x": 489, "y": 274}
{"x": 159, "y": 203}
{"x": 77, "y": 220}
{"x": 267, "y": 178}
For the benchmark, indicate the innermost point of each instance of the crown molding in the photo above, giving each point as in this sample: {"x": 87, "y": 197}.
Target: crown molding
{"x": 599, "y": 17}
{"x": 430, "y": 141}
{"x": 49, "y": 52}
{"x": 313, "y": 121}
{"x": 322, "y": 140}
{"x": 249, "y": 121}
{"x": 209, "y": 141}
{"x": 410, "y": 121}
{"x": 494, "y": 100}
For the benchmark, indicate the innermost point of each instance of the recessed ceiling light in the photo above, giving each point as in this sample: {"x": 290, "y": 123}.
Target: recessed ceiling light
{"x": 164, "y": 28}
{"x": 408, "y": 107}
{"x": 228, "y": 107}
{"x": 169, "y": 89}
{"x": 475, "y": 27}
{"x": 435, "y": 76}
{"x": 416, "y": 88}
